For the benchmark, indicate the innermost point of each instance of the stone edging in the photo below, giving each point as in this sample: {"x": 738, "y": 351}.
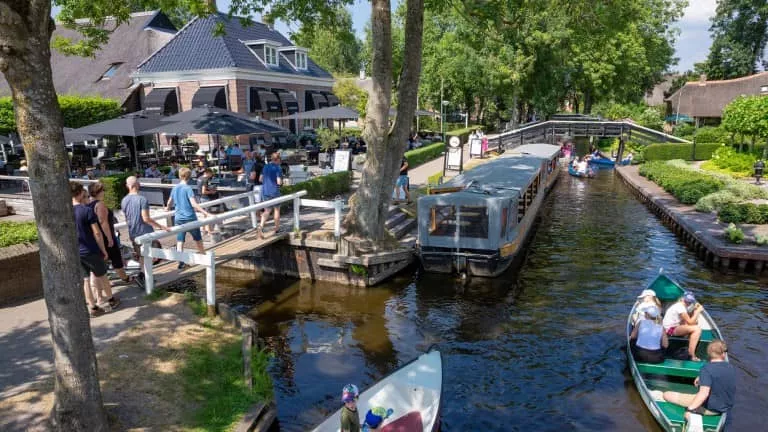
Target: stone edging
{"x": 706, "y": 247}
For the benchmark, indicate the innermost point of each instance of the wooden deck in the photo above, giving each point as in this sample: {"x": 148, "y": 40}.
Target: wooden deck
{"x": 229, "y": 249}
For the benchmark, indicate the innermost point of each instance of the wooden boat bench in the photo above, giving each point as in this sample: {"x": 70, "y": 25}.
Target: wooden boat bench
{"x": 670, "y": 367}
{"x": 706, "y": 336}
{"x": 676, "y": 414}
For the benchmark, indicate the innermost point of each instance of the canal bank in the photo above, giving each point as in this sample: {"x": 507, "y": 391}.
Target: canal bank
{"x": 702, "y": 232}
{"x": 539, "y": 348}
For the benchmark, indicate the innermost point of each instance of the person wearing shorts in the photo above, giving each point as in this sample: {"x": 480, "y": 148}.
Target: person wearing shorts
{"x": 136, "y": 211}
{"x": 682, "y": 319}
{"x": 183, "y": 197}
{"x": 402, "y": 181}
{"x": 92, "y": 252}
{"x": 107, "y": 224}
{"x": 271, "y": 179}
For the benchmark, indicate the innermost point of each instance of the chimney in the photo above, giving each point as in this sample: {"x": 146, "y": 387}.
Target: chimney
{"x": 703, "y": 79}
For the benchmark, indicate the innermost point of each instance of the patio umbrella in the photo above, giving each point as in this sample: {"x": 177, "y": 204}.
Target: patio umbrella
{"x": 70, "y": 136}
{"x": 211, "y": 123}
{"x": 337, "y": 112}
{"x": 197, "y": 113}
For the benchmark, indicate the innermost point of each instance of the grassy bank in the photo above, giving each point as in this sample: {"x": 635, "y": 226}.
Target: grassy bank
{"x": 12, "y": 233}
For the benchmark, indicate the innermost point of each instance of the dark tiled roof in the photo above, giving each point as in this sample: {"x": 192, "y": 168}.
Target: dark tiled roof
{"x": 130, "y": 43}
{"x": 196, "y": 47}
{"x": 709, "y": 98}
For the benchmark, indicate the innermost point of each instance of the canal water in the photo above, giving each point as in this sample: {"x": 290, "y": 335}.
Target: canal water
{"x": 539, "y": 349}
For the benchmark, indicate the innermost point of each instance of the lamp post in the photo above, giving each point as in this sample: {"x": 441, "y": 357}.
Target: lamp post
{"x": 759, "y": 167}
{"x": 443, "y": 103}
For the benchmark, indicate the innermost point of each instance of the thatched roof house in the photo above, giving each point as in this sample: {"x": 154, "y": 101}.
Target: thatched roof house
{"x": 706, "y": 99}
{"x": 108, "y": 73}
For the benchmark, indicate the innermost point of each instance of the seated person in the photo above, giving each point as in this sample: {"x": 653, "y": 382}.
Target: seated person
{"x": 682, "y": 319}
{"x": 583, "y": 166}
{"x": 152, "y": 171}
{"x": 716, "y": 383}
{"x": 375, "y": 417}
{"x": 646, "y": 299}
{"x": 173, "y": 174}
{"x": 648, "y": 340}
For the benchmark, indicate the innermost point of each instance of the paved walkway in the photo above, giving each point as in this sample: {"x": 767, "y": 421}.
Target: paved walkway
{"x": 421, "y": 173}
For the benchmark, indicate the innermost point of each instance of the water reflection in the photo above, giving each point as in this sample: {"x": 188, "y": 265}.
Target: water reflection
{"x": 540, "y": 348}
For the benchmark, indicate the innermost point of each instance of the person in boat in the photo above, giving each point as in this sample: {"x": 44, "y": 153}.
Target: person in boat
{"x": 716, "y": 383}
{"x": 350, "y": 420}
{"x": 646, "y": 299}
{"x": 375, "y": 417}
{"x": 648, "y": 339}
{"x": 583, "y": 166}
{"x": 682, "y": 319}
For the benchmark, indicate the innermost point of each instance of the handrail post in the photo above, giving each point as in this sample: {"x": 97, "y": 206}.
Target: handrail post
{"x": 254, "y": 215}
{"x": 149, "y": 278}
{"x": 337, "y": 206}
{"x": 210, "y": 282}
{"x": 296, "y": 210}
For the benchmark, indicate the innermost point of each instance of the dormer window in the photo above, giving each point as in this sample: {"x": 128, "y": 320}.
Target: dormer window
{"x": 301, "y": 60}
{"x": 270, "y": 55}
{"x": 110, "y": 71}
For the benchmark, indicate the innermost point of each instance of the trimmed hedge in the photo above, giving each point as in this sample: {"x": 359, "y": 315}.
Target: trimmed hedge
{"x": 686, "y": 185}
{"x": 748, "y": 213}
{"x": 424, "y": 154}
{"x": 77, "y": 111}
{"x": 664, "y": 152}
{"x": 13, "y": 233}
{"x": 114, "y": 189}
{"x": 325, "y": 187}
{"x": 463, "y": 133}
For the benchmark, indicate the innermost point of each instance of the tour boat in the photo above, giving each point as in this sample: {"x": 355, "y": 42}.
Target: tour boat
{"x": 412, "y": 393}
{"x": 672, "y": 375}
{"x": 573, "y": 172}
{"x": 478, "y": 222}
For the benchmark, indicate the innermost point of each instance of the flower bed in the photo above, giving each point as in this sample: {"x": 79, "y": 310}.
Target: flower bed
{"x": 688, "y": 186}
{"x": 728, "y": 161}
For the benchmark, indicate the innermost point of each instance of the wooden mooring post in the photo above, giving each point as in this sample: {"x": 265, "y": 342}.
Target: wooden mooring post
{"x": 248, "y": 341}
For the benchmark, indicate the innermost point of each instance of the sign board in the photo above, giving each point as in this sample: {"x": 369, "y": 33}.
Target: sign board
{"x": 454, "y": 142}
{"x": 341, "y": 159}
{"x": 476, "y": 147}
{"x": 454, "y": 158}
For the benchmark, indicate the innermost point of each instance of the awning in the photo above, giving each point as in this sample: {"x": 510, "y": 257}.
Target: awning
{"x": 162, "y": 101}
{"x": 288, "y": 100}
{"x": 331, "y": 98}
{"x": 211, "y": 96}
{"x": 269, "y": 101}
{"x": 316, "y": 101}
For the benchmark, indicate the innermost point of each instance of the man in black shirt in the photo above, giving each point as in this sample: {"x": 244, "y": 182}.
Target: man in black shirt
{"x": 402, "y": 181}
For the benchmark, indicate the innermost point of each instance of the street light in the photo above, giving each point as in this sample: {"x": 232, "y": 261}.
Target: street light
{"x": 442, "y": 118}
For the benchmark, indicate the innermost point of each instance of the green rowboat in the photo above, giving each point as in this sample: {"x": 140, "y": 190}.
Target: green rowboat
{"x": 672, "y": 375}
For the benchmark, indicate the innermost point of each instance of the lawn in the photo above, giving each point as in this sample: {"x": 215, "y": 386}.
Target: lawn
{"x": 12, "y": 233}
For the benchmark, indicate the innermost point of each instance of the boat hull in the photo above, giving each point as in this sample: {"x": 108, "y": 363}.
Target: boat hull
{"x": 574, "y": 173}
{"x": 602, "y": 163}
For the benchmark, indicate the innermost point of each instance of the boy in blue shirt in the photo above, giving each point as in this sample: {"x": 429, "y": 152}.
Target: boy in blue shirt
{"x": 271, "y": 179}
{"x": 183, "y": 197}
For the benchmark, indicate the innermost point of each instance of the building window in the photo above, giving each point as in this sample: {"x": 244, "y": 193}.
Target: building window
{"x": 764, "y": 89}
{"x": 270, "y": 55}
{"x": 110, "y": 71}
{"x": 307, "y": 124}
{"x": 301, "y": 60}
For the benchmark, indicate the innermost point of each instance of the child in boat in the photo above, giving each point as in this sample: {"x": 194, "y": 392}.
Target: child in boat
{"x": 682, "y": 319}
{"x": 350, "y": 421}
{"x": 648, "y": 339}
{"x": 375, "y": 417}
{"x": 646, "y": 299}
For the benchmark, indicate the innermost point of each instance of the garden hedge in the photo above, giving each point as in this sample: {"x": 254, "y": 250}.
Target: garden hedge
{"x": 463, "y": 133}
{"x": 12, "y": 233}
{"x": 748, "y": 213}
{"x": 325, "y": 187}
{"x": 114, "y": 189}
{"x": 669, "y": 151}
{"x": 424, "y": 154}
{"x": 77, "y": 111}
{"x": 688, "y": 186}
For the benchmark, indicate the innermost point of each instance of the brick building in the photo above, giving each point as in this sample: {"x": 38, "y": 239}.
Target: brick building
{"x": 251, "y": 69}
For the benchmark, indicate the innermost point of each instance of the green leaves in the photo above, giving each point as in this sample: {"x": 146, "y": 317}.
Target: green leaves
{"x": 335, "y": 47}
{"x": 747, "y": 115}
{"x": 77, "y": 111}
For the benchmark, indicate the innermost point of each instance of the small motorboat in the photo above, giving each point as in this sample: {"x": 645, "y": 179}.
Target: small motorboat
{"x": 672, "y": 375}
{"x": 602, "y": 162}
{"x": 573, "y": 172}
{"x": 412, "y": 393}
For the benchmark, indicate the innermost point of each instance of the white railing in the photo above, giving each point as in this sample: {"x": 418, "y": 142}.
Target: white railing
{"x": 209, "y": 258}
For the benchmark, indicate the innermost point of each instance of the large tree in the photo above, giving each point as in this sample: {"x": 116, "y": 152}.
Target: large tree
{"x": 334, "y": 47}
{"x": 740, "y": 32}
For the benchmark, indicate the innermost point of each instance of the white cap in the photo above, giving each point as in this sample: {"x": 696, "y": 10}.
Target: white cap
{"x": 646, "y": 293}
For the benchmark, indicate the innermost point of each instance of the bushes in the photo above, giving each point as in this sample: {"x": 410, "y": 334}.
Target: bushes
{"x": 709, "y": 134}
{"x": 424, "y": 154}
{"x": 325, "y": 187}
{"x": 12, "y": 233}
{"x": 729, "y": 160}
{"x": 734, "y": 234}
{"x": 688, "y": 186}
{"x": 748, "y": 213}
{"x": 77, "y": 111}
{"x": 663, "y": 152}
{"x": 114, "y": 189}
{"x": 463, "y": 133}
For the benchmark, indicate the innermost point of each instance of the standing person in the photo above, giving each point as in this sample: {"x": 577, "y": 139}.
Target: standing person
{"x": 682, "y": 319}
{"x": 208, "y": 193}
{"x": 271, "y": 179}
{"x": 402, "y": 181}
{"x": 350, "y": 418}
{"x": 716, "y": 383}
{"x": 107, "y": 224}
{"x": 183, "y": 197}
{"x": 136, "y": 210}
{"x": 173, "y": 174}
{"x": 92, "y": 252}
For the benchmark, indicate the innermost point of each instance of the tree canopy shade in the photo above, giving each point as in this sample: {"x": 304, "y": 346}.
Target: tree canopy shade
{"x": 740, "y": 31}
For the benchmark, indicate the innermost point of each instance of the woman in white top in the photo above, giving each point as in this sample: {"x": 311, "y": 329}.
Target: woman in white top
{"x": 648, "y": 338}
{"x": 679, "y": 320}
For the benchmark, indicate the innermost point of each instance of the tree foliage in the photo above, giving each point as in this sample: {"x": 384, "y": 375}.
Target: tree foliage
{"x": 740, "y": 31}
{"x": 747, "y": 115}
{"x": 335, "y": 47}
{"x": 350, "y": 95}
{"x": 78, "y": 111}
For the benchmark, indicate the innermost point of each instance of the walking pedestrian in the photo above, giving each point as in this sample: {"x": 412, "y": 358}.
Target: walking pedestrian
{"x": 183, "y": 198}
{"x": 107, "y": 225}
{"x": 92, "y": 252}
{"x": 271, "y": 179}
{"x": 136, "y": 210}
{"x": 402, "y": 182}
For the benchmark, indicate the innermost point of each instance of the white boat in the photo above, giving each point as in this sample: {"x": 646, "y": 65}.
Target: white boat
{"x": 412, "y": 392}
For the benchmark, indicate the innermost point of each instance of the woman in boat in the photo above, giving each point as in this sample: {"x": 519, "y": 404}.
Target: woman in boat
{"x": 583, "y": 166}
{"x": 646, "y": 299}
{"x": 350, "y": 420}
{"x": 648, "y": 337}
{"x": 682, "y": 319}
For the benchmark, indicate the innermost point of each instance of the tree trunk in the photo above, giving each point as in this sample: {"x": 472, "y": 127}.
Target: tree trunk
{"x": 575, "y": 103}
{"x": 369, "y": 205}
{"x": 25, "y": 32}
{"x": 587, "y": 102}
{"x": 765, "y": 150}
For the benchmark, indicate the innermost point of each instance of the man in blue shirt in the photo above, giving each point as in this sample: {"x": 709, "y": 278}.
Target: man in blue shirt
{"x": 271, "y": 179}
{"x": 183, "y": 197}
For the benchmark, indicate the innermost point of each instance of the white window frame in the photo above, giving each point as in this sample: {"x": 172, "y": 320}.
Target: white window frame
{"x": 301, "y": 60}
{"x": 270, "y": 55}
